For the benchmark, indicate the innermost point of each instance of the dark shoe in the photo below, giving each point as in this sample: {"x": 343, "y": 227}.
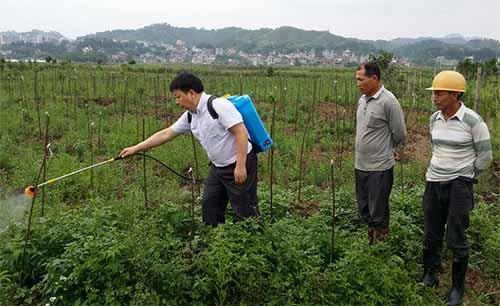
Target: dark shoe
{"x": 370, "y": 235}
{"x": 380, "y": 234}
{"x": 430, "y": 278}
{"x": 456, "y": 293}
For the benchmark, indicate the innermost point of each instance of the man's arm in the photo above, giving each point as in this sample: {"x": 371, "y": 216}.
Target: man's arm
{"x": 482, "y": 146}
{"x": 240, "y": 133}
{"x": 397, "y": 124}
{"x": 154, "y": 140}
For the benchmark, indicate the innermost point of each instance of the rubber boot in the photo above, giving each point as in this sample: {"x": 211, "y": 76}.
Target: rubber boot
{"x": 432, "y": 262}
{"x": 456, "y": 293}
{"x": 430, "y": 278}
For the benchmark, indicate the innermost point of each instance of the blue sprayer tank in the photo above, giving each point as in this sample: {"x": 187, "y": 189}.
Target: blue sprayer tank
{"x": 253, "y": 123}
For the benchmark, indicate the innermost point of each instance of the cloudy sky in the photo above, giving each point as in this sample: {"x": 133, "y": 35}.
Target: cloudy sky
{"x": 366, "y": 19}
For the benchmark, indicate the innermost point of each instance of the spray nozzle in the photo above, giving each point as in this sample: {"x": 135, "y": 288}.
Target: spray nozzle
{"x": 30, "y": 191}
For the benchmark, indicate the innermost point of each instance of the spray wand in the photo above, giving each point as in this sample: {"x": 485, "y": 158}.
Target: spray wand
{"x": 30, "y": 191}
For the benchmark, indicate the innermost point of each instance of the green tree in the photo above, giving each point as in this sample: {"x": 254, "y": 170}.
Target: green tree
{"x": 390, "y": 74}
{"x": 270, "y": 71}
{"x": 383, "y": 59}
{"x": 467, "y": 68}
{"x": 490, "y": 67}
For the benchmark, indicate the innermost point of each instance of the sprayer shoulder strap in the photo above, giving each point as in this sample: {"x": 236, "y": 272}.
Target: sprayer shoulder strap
{"x": 210, "y": 107}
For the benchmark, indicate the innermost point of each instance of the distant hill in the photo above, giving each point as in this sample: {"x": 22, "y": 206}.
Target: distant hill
{"x": 456, "y": 39}
{"x": 423, "y": 52}
{"x": 47, "y": 36}
{"x": 262, "y": 40}
{"x": 285, "y": 39}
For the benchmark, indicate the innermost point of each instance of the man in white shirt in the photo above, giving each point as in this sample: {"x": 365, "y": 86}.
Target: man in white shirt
{"x": 461, "y": 149}
{"x": 233, "y": 171}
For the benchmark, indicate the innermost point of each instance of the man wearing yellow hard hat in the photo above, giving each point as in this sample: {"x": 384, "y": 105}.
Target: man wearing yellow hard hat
{"x": 461, "y": 149}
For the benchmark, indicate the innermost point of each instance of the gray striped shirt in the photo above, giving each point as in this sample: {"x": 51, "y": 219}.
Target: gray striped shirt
{"x": 460, "y": 145}
{"x": 380, "y": 126}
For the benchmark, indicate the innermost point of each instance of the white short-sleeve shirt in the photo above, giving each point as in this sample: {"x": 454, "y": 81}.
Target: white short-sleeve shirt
{"x": 213, "y": 134}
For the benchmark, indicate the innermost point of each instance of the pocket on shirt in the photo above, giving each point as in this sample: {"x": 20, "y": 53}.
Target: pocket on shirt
{"x": 214, "y": 134}
{"x": 214, "y": 130}
{"x": 376, "y": 121}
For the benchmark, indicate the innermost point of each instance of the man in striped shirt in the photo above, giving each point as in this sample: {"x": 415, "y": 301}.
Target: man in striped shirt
{"x": 461, "y": 149}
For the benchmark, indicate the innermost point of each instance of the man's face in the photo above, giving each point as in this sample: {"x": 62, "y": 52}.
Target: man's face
{"x": 444, "y": 99}
{"x": 366, "y": 84}
{"x": 184, "y": 99}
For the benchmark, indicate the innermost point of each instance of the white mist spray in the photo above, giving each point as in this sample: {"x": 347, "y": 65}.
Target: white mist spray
{"x": 13, "y": 210}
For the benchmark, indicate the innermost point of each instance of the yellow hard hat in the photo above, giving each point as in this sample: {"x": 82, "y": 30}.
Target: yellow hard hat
{"x": 448, "y": 80}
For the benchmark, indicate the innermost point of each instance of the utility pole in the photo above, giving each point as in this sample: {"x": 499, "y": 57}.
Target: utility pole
{"x": 478, "y": 89}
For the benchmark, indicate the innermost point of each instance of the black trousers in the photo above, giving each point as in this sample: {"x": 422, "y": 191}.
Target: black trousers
{"x": 221, "y": 187}
{"x": 446, "y": 208}
{"x": 373, "y": 189}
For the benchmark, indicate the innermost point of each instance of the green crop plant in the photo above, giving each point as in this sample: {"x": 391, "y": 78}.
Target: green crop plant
{"x": 96, "y": 244}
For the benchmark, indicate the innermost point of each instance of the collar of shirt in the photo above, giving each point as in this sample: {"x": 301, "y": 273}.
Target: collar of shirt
{"x": 376, "y": 95}
{"x": 459, "y": 114}
{"x": 202, "y": 104}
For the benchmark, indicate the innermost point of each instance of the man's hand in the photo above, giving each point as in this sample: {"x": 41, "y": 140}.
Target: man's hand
{"x": 240, "y": 174}
{"x": 128, "y": 151}
{"x": 240, "y": 133}
{"x": 397, "y": 155}
{"x": 156, "y": 139}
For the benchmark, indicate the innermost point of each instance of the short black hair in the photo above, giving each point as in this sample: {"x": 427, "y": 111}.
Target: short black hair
{"x": 459, "y": 94}
{"x": 186, "y": 81}
{"x": 371, "y": 68}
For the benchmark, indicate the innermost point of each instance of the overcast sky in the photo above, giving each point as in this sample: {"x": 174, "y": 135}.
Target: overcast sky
{"x": 366, "y": 19}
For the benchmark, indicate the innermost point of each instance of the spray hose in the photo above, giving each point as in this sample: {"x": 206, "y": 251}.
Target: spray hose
{"x": 170, "y": 169}
{"x": 30, "y": 191}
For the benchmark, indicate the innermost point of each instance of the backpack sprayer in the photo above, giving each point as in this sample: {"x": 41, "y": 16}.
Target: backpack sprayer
{"x": 258, "y": 136}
